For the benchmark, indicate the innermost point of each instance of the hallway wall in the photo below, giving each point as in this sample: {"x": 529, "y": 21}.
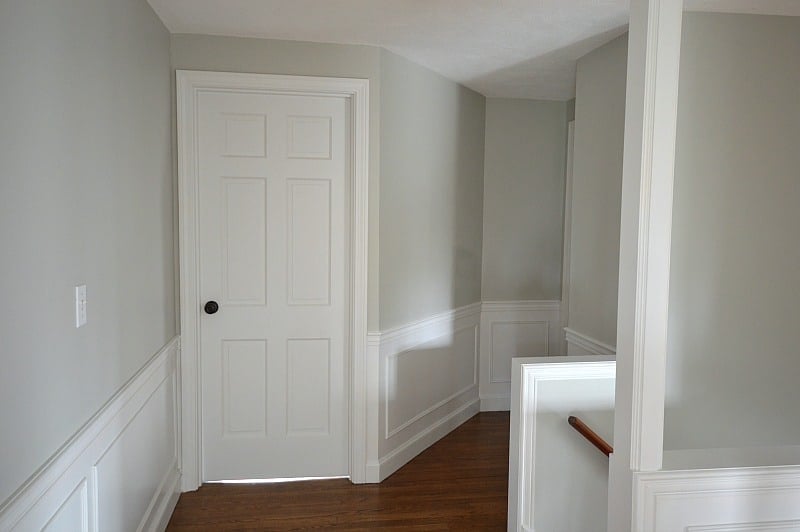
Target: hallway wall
{"x": 596, "y": 186}
{"x": 523, "y": 199}
{"x": 85, "y": 198}
{"x": 431, "y": 226}
{"x": 431, "y": 198}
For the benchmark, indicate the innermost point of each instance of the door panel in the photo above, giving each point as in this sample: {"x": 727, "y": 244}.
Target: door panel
{"x": 272, "y": 206}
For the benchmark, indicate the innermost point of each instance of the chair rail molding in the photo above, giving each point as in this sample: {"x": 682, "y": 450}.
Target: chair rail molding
{"x": 520, "y": 328}
{"x": 125, "y": 458}
{"x": 586, "y": 345}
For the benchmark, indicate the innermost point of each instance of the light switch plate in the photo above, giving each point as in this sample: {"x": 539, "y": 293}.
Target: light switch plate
{"x": 80, "y": 306}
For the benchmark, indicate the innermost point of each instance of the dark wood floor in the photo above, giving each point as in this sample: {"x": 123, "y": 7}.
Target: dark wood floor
{"x": 460, "y": 483}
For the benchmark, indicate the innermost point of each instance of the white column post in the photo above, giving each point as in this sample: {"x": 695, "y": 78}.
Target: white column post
{"x": 645, "y": 240}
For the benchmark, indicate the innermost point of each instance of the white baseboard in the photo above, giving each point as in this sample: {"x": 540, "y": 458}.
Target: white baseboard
{"x": 416, "y": 445}
{"x": 579, "y": 344}
{"x": 512, "y": 329}
{"x": 428, "y": 385}
{"x": 164, "y": 501}
{"x": 120, "y": 471}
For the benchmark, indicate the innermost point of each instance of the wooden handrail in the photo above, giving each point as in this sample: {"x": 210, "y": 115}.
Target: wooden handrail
{"x": 590, "y": 435}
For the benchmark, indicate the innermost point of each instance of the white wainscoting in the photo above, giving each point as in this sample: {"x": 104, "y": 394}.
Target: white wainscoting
{"x": 735, "y": 499}
{"x": 512, "y": 329}
{"x": 428, "y": 384}
{"x": 556, "y": 479}
{"x": 579, "y": 344}
{"x": 120, "y": 471}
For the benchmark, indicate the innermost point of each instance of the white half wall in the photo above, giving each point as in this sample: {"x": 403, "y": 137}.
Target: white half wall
{"x": 513, "y": 329}
{"x": 557, "y": 480}
{"x": 718, "y": 500}
{"x": 120, "y": 471}
{"x": 428, "y": 385}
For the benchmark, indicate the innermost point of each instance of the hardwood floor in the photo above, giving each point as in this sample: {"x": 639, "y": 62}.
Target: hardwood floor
{"x": 460, "y": 483}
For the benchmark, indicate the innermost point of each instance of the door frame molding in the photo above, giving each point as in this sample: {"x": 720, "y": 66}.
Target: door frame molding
{"x": 188, "y": 85}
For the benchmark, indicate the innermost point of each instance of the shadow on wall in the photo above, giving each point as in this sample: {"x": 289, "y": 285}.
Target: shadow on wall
{"x": 467, "y": 224}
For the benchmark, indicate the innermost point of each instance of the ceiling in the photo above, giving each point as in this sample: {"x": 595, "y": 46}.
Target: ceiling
{"x": 500, "y": 48}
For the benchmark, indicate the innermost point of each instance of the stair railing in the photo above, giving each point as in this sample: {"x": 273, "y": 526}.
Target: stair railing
{"x": 590, "y": 435}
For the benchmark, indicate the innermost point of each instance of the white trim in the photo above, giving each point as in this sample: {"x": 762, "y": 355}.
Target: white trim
{"x": 718, "y": 498}
{"x": 406, "y": 336}
{"x": 492, "y": 334}
{"x": 70, "y": 469}
{"x": 389, "y": 433}
{"x": 503, "y": 326}
{"x": 593, "y": 346}
{"x": 654, "y": 42}
{"x": 528, "y": 375}
{"x": 521, "y": 306}
{"x": 400, "y": 440}
{"x": 189, "y": 83}
{"x": 645, "y": 242}
{"x": 406, "y": 452}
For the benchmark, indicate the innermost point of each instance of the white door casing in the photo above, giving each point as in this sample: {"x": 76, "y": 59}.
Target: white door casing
{"x": 264, "y": 391}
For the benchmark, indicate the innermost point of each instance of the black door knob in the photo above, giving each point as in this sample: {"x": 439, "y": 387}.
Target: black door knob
{"x": 211, "y": 307}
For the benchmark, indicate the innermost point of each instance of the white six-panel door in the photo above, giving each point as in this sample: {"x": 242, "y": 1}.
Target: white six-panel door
{"x": 272, "y": 249}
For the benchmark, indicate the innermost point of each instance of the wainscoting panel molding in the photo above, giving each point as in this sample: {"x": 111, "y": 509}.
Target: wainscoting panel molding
{"x": 428, "y": 385}
{"x": 120, "y": 471}
{"x": 729, "y": 500}
{"x": 582, "y": 345}
{"x": 513, "y": 329}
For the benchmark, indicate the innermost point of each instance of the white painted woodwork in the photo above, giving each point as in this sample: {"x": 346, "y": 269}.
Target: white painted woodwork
{"x": 273, "y": 188}
{"x": 513, "y": 329}
{"x": 719, "y": 500}
{"x": 579, "y": 344}
{"x": 274, "y": 176}
{"x": 646, "y": 222}
{"x": 309, "y": 137}
{"x": 557, "y": 480}
{"x": 120, "y": 471}
{"x": 428, "y": 384}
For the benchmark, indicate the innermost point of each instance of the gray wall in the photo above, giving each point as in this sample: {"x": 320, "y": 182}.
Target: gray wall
{"x": 85, "y": 198}
{"x": 523, "y": 199}
{"x": 596, "y": 193}
{"x": 733, "y": 359}
{"x": 426, "y": 166}
{"x": 431, "y": 192}
{"x": 264, "y": 56}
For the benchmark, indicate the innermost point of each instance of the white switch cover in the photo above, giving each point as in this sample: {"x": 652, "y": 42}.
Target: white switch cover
{"x": 80, "y": 306}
